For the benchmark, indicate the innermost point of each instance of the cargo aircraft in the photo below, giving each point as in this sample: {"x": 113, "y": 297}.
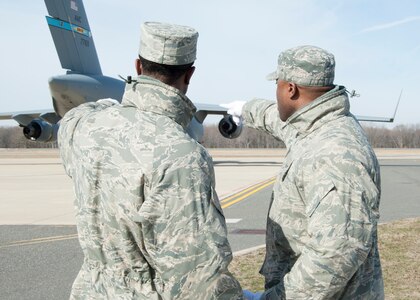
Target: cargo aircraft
{"x": 84, "y": 81}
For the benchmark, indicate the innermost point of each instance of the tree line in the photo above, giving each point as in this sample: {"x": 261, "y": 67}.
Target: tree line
{"x": 401, "y": 136}
{"x": 12, "y": 137}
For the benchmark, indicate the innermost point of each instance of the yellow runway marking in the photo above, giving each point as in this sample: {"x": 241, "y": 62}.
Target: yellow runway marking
{"x": 225, "y": 203}
{"x": 40, "y": 240}
{"x": 246, "y": 193}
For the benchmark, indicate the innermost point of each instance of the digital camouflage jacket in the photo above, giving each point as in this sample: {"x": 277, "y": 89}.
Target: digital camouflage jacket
{"x": 149, "y": 221}
{"x": 322, "y": 222}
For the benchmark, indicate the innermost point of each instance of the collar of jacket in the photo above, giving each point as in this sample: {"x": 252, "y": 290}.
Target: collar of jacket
{"x": 152, "y": 95}
{"x": 322, "y": 110}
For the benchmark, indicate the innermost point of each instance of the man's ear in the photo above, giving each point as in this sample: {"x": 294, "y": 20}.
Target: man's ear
{"x": 293, "y": 91}
{"x": 138, "y": 66}
{"x": 188, "y": 75}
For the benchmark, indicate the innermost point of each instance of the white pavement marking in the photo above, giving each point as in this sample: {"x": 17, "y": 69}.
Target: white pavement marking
{"x": 232, "y": 221}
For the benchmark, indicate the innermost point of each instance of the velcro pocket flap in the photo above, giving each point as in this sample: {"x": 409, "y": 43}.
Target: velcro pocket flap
{"x": 317, "y": 191}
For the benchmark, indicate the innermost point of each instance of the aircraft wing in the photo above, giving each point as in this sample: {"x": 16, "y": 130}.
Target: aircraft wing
{"x": 212, "y": 109}
{"x": 374, "y": 119}
{"x": 204, "y": 109}
{"x": 381, "y": 119}
{"x": 26, "y": 117}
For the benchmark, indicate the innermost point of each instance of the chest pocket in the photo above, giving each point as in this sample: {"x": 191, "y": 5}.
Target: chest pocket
{"x": 318, "y": 190}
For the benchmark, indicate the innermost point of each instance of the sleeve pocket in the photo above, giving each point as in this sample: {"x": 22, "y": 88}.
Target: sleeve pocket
{"x": 316, "y": 193}
{"x": 285, "y": 170}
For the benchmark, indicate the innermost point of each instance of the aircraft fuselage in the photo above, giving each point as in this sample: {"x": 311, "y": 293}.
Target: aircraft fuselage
{"x": 71, "y": 90}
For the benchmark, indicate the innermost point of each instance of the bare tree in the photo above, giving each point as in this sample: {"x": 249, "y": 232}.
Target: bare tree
{"x": 401, "y": 136}
{"x": 250, "y": 138}
{"x": 12, "y": 137}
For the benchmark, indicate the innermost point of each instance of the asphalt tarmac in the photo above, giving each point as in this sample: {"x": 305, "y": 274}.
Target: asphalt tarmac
{"x": 39, "y": 251}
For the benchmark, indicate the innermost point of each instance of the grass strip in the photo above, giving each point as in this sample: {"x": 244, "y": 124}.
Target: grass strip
{"x": 399, "y": 246}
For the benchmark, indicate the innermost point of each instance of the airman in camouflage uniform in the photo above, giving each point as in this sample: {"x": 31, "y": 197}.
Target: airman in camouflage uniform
{"x": 322, "y": 222}
{"x": 149, "y": 221}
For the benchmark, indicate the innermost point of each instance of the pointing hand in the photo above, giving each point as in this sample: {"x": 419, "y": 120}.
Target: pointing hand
{"x": 234, "y": 108}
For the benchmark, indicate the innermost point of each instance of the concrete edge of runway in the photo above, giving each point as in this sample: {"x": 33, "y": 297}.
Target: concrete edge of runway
{"x": 248, "y": 250}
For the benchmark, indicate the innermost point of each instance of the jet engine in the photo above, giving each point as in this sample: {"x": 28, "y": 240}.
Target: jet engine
{"x": 41, "y": 131}
{"x": 228, "y": 128}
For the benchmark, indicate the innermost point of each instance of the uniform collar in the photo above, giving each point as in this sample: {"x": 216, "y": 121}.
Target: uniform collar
{"x": 151, "y": 95}
{"x": 324, "y": 109}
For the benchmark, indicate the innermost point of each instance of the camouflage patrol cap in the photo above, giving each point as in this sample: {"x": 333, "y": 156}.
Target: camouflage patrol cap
{"x": 168, "y": 44}
{"x": 305, "y": 65}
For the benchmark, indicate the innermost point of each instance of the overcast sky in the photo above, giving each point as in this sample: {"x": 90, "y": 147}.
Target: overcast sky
{"x": 376, "y": 45}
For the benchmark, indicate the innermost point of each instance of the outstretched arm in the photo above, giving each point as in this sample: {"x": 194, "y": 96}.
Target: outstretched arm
{"x": 263, "y": 115}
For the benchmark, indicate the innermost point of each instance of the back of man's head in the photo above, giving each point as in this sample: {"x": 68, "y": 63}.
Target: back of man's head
{"x": 166, "y": 73}
{"x": 167, "y": 51}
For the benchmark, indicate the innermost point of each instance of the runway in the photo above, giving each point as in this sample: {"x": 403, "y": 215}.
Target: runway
{"x": 400, "y": 176}
{"x": 39, "y": 252}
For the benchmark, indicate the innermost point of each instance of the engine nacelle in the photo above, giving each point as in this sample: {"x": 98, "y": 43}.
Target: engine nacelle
{"x": 41, "y": 131}
{"x": 196, "y": 130}
{"x": 228, "y": 128}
